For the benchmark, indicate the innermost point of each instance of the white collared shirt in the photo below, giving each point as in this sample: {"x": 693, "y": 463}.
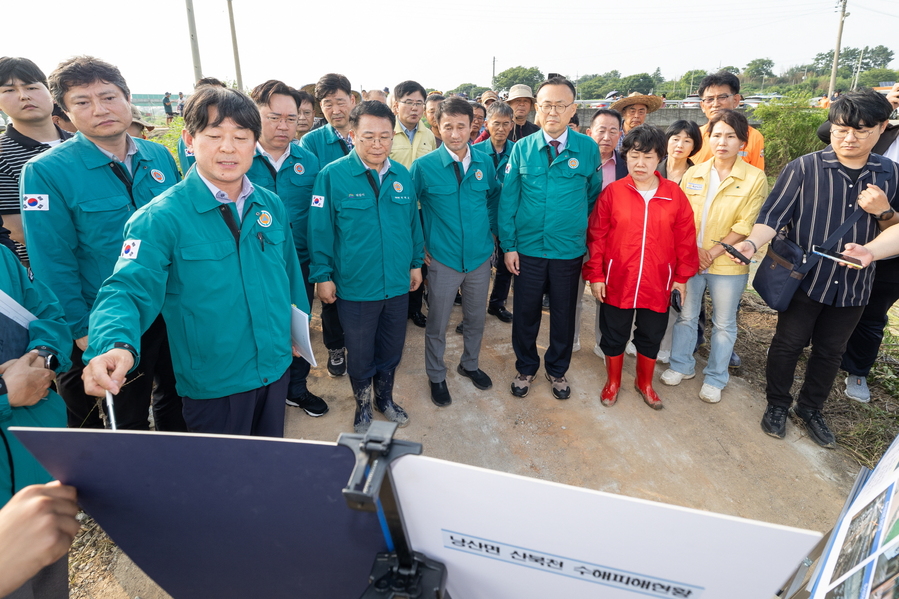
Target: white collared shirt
{"x": 129, "y": 154}
{"x": 383, "y": 172}
{"x": 466, "y": 162}
{"x": 274, "y": 162}
{"x": 562, "y": 139}
{"x": 246, "y": 188}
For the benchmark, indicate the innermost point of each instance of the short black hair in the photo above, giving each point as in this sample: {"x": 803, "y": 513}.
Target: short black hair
{"x": 209, "y": 81}
{"x": 557, "y": 80}
{"x": 230, "y": 104}
{"x": 407, "y": 88}
{"x": 435, "y": 98}
{"x": 84, "y": 70}
{"x": 575, "y": 120}
{"x": 609, "y": 112}
{"x": 864, "y": 108}
{"x": 477, "y": 105}
{"x": 688, "y": 127}
{"x": 13, "y": 67}
{"x": 262, "y": 93}
{"x": 733, "y": 118}
{"x": 720, "y": 78}
{"x": 455, "y": 106}
{"x": 500, "y": 107}
{"x": 57, "y": 111}
{"x": 331, "y": 83}
{"x": 302, "y": 97}
{"x": 371, "y": 108}
{"x": 645, "y": 138}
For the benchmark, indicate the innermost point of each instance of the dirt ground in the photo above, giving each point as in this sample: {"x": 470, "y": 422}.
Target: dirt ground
{"x": 693, "y": 454}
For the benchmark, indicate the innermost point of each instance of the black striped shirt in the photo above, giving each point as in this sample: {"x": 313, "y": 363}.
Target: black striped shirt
{"x": 15, "y": 151}
{"x": 812, "y": 197}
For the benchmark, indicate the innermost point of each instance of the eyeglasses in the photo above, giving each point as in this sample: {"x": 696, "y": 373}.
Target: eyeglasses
{"x": 720, "y": 97}
{"x": 610, "y": 132}
{"x": 275, "y": 119}
{"x": 860, "y": 134}
{"x": 328, "y": 104}
{"x": 412, "y": 104}
{"x": 548, "y": 108}
{"x": 306, "y": 113}
{"x": 370, "y": 141}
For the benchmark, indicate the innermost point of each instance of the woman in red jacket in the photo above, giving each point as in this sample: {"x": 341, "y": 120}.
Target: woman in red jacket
{"x": 642, "y": 244}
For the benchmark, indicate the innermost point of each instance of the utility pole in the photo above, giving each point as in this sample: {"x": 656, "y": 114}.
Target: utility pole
{"x": 194, "y": 46}
{"x": 493, "y": 79}
{"x": 858, "y": 68}
{"x": 836, "y": 51}
{"x": 234, "y": 43}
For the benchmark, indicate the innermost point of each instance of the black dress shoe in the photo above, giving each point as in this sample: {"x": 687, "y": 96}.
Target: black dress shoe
{"x": 501, "y": 313}
{"x": 440, "y": 394}
{"x": 478, "y": 377}
{"x": 418, "y": 319}
{"x": 460, "y": 329}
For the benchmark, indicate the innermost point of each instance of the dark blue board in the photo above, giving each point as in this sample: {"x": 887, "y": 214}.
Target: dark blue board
{"x": 218, "y": 516}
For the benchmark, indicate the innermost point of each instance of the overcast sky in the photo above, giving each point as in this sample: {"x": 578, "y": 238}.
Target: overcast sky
{"x": 365, "y": 39}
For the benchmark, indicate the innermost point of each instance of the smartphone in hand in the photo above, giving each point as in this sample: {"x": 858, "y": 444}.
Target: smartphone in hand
{"x": 837, "y": 257}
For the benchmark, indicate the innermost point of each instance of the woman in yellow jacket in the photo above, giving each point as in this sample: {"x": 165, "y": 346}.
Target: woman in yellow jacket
{"x": 726, "y": 194}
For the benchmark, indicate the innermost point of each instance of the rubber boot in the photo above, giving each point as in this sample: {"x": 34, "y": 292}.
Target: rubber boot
{"x": 384, "y": 399}
{"x": 362, "y": 395}
{"x": 609, "y": 394}
{"x": 645, "y": 369}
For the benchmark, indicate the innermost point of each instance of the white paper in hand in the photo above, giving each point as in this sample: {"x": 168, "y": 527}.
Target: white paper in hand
{"x": 299, "y": 334}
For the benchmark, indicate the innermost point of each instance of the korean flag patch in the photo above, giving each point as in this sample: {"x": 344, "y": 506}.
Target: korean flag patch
{"x": 130, "y": 249}
{"x": 508, "y": 168}
{"x": 39, "y": 201}
{"x": 318, "y": 201}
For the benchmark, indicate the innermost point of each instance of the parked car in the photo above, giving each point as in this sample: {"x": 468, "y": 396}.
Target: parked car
{"x": 755, "y": 101}
{"x": 672, "y": 103}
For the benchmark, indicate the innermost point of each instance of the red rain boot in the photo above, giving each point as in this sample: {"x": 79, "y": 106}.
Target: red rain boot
{"x": 609, "y": 394}
{"x": 645, "y": 369}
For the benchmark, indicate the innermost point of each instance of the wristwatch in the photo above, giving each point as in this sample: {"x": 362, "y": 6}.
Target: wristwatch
{"x": 886, "y": 214}
{"x": 51, "y": 362}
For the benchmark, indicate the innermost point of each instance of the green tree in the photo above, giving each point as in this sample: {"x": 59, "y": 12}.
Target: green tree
{"x": 875, "y": 77}
{"x": 758, "y": 69}
{"x": 789, "y": 127}
{"x": 690, "y": 80}
{"x": 642, "y": 83}
{"x": 878, "y": 57}
{"x": 657, "y": 78}
{"x": 731, "y": 69}
{"x": 528, "y": 76}
{"x": 598, "y": 86}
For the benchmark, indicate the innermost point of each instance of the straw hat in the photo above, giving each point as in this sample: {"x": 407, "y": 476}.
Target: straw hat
{"x": 652, "y": 103}
{"x": 488, "y": 95}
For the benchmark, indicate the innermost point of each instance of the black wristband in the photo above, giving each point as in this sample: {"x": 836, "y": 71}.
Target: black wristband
{"x": 128, "y": 346}
{"x": 754, "y": 246}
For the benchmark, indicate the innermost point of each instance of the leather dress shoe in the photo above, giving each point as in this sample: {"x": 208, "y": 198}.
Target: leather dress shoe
{"x": 440, "y": 394}
{"x": 501, "y": 313}
{"x": 418, "y": 319}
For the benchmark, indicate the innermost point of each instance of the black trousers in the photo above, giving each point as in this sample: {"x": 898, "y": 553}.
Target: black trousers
{"x": 560, "y": 278}
{"x": 615, "y": 326}
{"x": 502, "y": 281}
{"x": 829, "y": 329}
{"x": 257, "y": 412}
{"x": 864, "y": 344}
{"x": 133, "y": 402}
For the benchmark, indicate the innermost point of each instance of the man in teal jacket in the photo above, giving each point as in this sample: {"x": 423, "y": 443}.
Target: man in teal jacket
{"x": 76, "y": 198}
{"x": 215, "y": 256}
{"x": 27, "y": 400}
{"x": 500, "y": 119}
{"x": 550, "y": 187}
{"x": 458, "y": 191}
{"x": 288, "y": 170}
{"x": 367, "y": 250}
{"x": 334, "y": 94}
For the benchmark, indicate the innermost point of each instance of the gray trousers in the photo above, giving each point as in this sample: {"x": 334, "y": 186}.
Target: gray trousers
{"x": 443, "y": 282}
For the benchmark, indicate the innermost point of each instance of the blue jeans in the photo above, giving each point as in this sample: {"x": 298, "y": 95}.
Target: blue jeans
{"x": 726, "y": 291}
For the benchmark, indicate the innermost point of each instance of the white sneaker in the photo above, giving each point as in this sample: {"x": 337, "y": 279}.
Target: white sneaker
{"x": 630, "y": 349}
{"x": 598, "y": 351}
{"x": 672, "y": 377}
{"x": 710, "y": 394}
{"x": 664, "y": 356}
{"x": 576, "y": 346}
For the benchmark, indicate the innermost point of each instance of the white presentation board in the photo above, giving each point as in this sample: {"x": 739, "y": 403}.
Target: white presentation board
{"x": 506, "y": 536}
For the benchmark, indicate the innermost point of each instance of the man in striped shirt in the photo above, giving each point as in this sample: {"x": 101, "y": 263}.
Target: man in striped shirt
{"x": 813, "y": 196}
{"x": 25, "y": 97}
